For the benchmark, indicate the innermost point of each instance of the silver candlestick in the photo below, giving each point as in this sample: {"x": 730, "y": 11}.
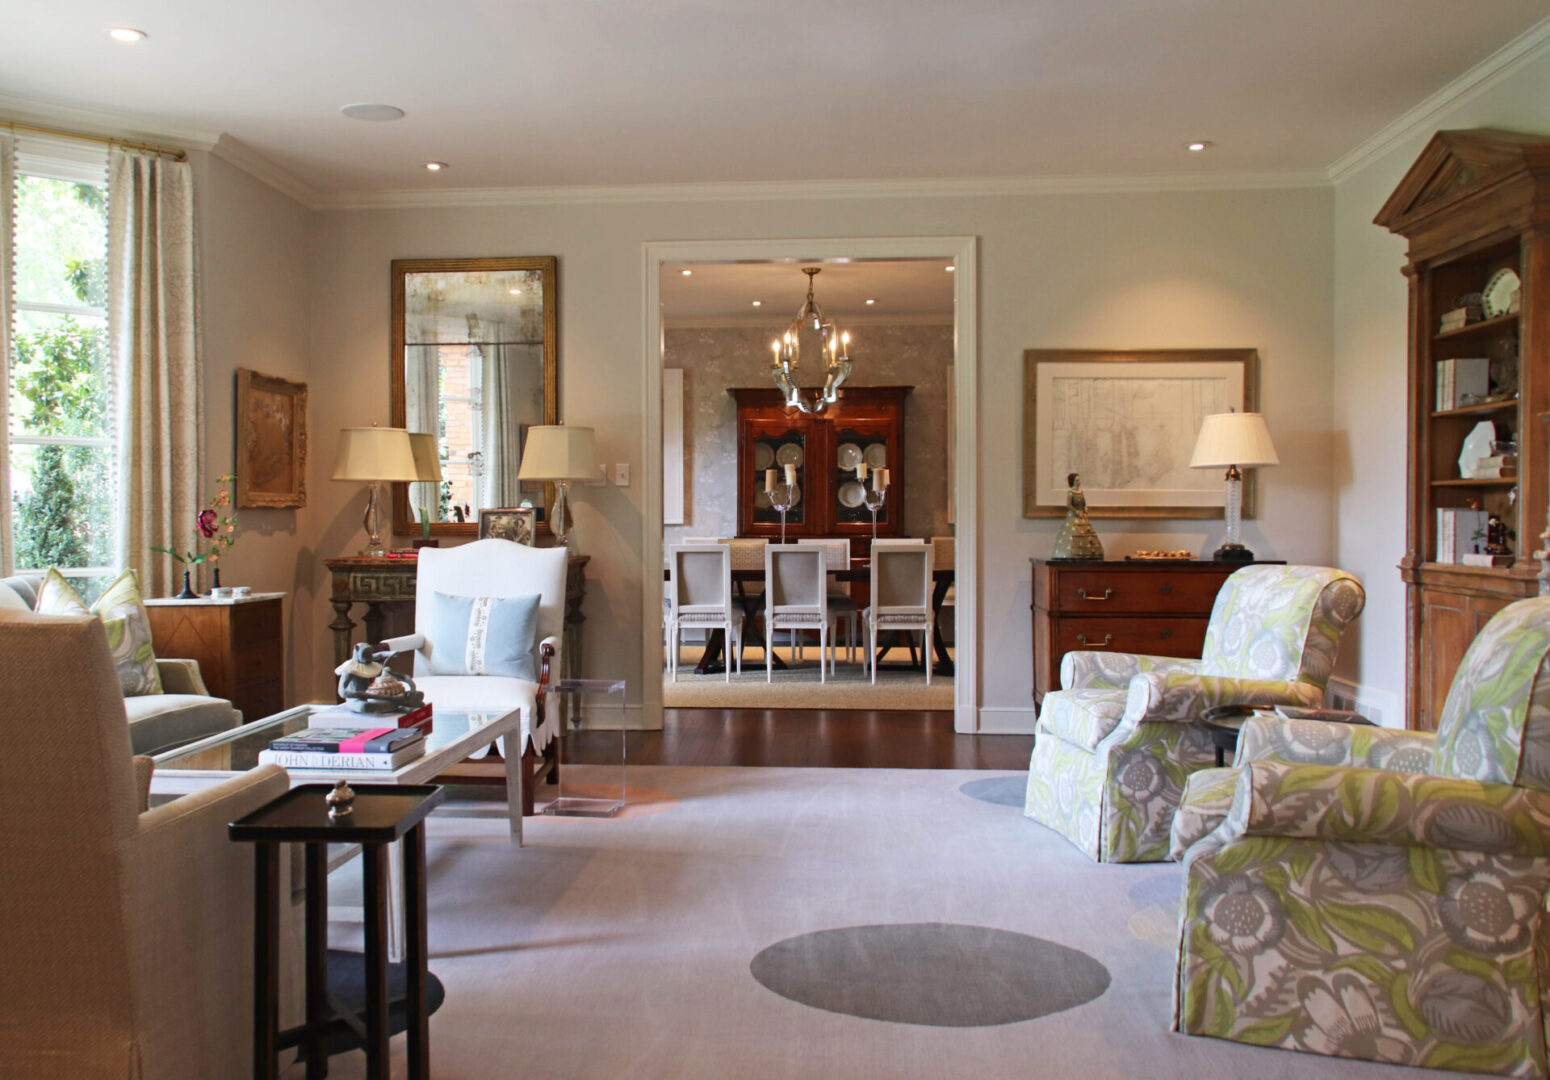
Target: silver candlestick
{"x": 875, "y": 497}
{"x": 783, "y": 498}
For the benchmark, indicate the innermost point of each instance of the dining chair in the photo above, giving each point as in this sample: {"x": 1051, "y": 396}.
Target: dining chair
{"x": 701, "y": 594}
{"x": 747, "y": 554}
{"x": 796, "y": 597}
{"x": 842, "y": 606}
{"x": 901, "y": 595}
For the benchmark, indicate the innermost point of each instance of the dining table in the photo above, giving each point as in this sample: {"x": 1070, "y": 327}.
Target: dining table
{"x": 713, "y": 661}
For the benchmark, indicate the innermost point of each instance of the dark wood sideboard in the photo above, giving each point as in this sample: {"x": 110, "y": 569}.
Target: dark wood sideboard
{"x": 239, "y": 644}
{"x": 1158, "y": 608}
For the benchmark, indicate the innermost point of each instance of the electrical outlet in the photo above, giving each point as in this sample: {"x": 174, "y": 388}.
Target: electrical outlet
{"x": 622, "y": 474}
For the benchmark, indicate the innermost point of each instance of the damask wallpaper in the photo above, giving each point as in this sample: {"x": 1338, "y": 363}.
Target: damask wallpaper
{"x": 716, "y": 358}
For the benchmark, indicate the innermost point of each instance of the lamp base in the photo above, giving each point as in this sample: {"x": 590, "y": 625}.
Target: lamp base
{"x": 1232, "y": 553}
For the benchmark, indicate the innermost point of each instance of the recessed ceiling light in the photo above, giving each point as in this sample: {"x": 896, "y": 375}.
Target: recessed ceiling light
{"x": 435, "y": 166}
{"x": 871, "y": 300}
{"x": 950, "y": 268}
{"x": 1199, "y": 144}
{"x": 368, "y": 111}
{"x": 127, "y": 34}
{"x": 758, "y": 303}
{"x": 686, "y": 273}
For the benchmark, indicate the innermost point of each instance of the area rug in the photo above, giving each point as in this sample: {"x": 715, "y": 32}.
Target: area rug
{"x": 795, "y": 924}
{"x": 797, "y": 687}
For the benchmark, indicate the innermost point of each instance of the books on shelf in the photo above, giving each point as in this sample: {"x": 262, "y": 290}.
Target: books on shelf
{"x": 380, "y": 749}
{"x": 1455, "y": 319}
{"x": 1495, "y": 467}
{"x": 1475, "y": 558}
{"x": 1458, "y": 532}
{"x": 1462, "y": 381}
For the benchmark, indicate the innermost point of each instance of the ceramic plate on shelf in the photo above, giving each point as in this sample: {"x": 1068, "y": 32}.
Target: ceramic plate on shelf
{"x": 796, "y": 496}
{"x": 761, "y": 499}
{"x": 852, "y": 494}
{"x": 849, "y": 455}
{"x": 1477, "y": 445}
{"x": 789, "y": 454}
{"x": 763, "y": 456}
{"x": 876, "y": 456}
{"x": 1500, "y": 295}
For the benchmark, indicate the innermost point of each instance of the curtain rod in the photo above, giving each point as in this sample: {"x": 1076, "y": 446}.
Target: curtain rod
{"x": 179, "y": 155}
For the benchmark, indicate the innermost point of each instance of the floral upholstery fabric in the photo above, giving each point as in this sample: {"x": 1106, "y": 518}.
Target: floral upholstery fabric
{"x": 1141, "y": 762}
{"x": 1207, "y": 798}
{"x": 1316, "y": 742}
{"x": 1371, "y": 914}
{"x": 1091, "y": 669}
{"x": 1496, "y": 722}
{"x": 1281, "y": 622}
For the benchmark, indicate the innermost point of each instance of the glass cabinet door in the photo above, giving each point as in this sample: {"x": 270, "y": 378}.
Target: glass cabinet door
{"x": 779, "y": 452}
{"x": 858, "y": 444}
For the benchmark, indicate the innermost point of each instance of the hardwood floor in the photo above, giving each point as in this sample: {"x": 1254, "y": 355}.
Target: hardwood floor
{"x": 801, "y": 737}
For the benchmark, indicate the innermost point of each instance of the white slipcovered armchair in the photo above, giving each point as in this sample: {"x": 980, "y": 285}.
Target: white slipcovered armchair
{"x": 498, "y": 569}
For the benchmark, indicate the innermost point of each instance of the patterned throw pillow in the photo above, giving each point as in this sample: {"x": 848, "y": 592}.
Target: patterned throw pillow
{"x": 123, "y": 616}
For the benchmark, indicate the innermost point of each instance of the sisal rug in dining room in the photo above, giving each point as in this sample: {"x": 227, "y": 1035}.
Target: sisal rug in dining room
{"x": 798, "y": 686}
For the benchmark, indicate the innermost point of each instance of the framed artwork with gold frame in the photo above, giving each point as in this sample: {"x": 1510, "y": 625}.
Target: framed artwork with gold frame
{"x": 271, "y": 441}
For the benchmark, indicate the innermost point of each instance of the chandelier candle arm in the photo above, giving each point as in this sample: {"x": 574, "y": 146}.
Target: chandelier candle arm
{"x": 786, "y": 355}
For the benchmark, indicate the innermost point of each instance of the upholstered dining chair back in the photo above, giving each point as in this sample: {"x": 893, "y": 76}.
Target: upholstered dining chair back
{"x": 702, "y": 578}
{"x": 747, "y": 552}
{"x": 942, "y": 550}
{"x": 1280, "y": 622}
{"x": 1495, "y": 725}
{"x": 795, "y": 577}
{"x": 836, "y": 553}
{"x": 901, "y": 576}
{"x": 495, "y": 568}
{"x": 125, "y": 937}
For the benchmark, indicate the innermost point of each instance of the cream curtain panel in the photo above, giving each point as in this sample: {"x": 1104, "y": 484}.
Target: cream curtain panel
{"x": 8, "y": 187}
{"x": 152, "y": 327}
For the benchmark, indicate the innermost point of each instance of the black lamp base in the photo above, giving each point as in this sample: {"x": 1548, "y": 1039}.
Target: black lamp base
{"x": 1233, "y": 553}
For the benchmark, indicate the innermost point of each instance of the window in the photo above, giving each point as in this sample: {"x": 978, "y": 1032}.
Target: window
{"x": 60, "y": 449}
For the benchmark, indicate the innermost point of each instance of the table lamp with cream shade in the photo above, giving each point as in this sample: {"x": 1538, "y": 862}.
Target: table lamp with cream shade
{"x": 558, "y": 453}
{"x": 1234, "y": 441}
{"x": 375, "y": 455}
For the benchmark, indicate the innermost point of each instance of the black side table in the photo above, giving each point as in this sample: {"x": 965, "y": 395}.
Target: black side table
{"x": 383, "y": 813}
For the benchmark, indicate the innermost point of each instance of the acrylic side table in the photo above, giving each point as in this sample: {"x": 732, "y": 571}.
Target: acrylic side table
{"x": 382, "y": 815}
{"x": 572, "y": 690}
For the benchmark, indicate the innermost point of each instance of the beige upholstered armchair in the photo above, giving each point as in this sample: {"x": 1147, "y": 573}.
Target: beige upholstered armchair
{"x": 1380, "y": 894}
{"x": 126, "y": 935}
{"x": 1114, "y": 748}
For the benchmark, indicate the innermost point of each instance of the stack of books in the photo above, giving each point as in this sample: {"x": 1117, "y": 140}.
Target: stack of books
{"x": 329, "y": 744}
{"x": 1462, "y": 381}
{"x": 1495, "y": 467}
{"x": 1456, "y": 319}
{"x": 1458, "y": 533}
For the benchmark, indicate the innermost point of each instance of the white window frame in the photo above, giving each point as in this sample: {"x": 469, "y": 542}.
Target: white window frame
{"x": 76, "y": 163}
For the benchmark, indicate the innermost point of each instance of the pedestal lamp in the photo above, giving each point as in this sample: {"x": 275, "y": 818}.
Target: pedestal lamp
{"x": 374, "y": 455}
{"x": 559, "y": 454}
{"x": 1234, "y": 441}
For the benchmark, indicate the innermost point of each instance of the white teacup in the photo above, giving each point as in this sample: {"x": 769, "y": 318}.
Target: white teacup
{"x": 238, "y": 592}
{"x": 221, "y": 592}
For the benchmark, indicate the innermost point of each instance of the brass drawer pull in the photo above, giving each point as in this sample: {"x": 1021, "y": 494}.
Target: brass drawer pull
{"x": 1106, "y": 594}
{"x": 1108, "y": 639}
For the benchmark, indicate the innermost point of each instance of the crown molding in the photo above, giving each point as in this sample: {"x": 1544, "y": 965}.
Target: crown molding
{"x": 102, "y": 124}
{"x": 1425, "y": 117}
{"x": 756, "y": 322}
{"x": 240, "y": 155}
{"x": 763, "y": 191}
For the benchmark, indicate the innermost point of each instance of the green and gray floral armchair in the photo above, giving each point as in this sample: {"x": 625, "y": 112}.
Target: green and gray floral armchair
{"x": 1114, "y": 748}
{"x": 1379, "y": 894}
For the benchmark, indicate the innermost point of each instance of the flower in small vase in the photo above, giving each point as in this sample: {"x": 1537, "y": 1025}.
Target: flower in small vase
{"x": 207, "y": 522}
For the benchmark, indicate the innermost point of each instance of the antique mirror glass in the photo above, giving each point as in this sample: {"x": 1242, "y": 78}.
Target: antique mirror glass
{"x": 474, "y": 363}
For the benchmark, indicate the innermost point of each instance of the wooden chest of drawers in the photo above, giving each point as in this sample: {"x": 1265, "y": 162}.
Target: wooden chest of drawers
{"x": 1160, "y": 608}
{"x": 240, "y": 646}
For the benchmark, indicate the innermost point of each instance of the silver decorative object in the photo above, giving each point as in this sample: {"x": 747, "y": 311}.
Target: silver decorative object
{"x": 783, "y": 368}
{"x": 341, "y": 801}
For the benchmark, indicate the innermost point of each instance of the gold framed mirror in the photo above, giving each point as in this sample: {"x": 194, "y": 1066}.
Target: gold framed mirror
{"x": 474, "y": 362}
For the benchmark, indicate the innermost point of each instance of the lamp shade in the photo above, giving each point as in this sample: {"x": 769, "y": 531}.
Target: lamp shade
{"x": 1234, "y": 438}
{"x": 557, "y": 452}
{"x": 427, "y": 457}
{"x": 375, "y": 453}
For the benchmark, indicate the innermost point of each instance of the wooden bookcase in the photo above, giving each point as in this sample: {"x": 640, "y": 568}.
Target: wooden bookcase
{"x": 871, "y": 418}
{"x": 1474, "y": 203}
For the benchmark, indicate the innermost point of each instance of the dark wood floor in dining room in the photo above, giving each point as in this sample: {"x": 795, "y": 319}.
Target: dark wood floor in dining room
{"x": 822, "y": 738}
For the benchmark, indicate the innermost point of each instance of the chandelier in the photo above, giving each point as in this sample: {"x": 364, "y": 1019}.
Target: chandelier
{"x": 788, "y": 349}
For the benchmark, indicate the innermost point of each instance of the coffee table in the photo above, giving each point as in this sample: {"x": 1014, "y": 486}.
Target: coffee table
{"x": 454, "y": 736}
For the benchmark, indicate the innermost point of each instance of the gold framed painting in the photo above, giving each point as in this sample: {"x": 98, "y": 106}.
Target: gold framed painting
{"x": 271, "y": 441}
{"x": 1127, "y": 420}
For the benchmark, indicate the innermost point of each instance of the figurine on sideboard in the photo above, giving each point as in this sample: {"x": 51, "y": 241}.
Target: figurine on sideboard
{"x": 1077, "y": 539}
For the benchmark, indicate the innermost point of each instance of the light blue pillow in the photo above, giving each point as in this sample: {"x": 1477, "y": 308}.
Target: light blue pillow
{"x": 483, "y": 635}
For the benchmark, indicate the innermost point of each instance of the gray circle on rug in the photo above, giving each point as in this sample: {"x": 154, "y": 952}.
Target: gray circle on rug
{"x": 1000, "y": 790}
{"x": 936, "y": 974}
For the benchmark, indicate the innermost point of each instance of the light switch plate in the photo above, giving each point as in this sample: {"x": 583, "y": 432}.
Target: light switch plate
{"x": 622, "y": 474}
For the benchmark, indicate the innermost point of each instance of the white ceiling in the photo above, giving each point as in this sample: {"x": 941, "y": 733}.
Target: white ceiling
{"x": 906, "y": 290}
{"x": 517, "y": 93}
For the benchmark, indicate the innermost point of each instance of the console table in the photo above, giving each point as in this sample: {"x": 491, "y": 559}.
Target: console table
{"x": 1159, "y": 608}
{"x": 375, "y": 580}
